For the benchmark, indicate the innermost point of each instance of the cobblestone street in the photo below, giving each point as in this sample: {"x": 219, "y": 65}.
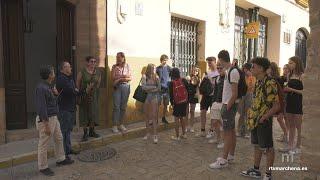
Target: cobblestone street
{"x": 139, "y": 159}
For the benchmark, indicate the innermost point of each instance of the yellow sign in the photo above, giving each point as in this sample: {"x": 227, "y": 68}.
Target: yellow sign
{"x": 252, "y": 30}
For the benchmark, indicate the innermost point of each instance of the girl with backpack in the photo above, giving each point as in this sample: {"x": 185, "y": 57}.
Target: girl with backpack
{"x": 151, "y": 84}
{"x": 193, "y": 89}
{"x": 179, "y": 101}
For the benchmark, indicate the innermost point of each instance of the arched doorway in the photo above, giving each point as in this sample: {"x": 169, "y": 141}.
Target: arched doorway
{"x": 301, "y": 46}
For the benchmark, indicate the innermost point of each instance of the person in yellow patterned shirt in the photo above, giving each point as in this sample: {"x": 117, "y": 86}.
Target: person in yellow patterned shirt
{"x": 265, "y": 104}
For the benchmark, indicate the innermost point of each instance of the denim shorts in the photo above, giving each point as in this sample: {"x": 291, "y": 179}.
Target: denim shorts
{"x": 228, "y": 116}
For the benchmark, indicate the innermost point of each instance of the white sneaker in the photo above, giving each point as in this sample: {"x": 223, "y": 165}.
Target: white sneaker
{"x": 122, "y": 128}
{"x": 183, "y": 136}
{"x": 145, "y": 137}
{"x": 155, "y": 139}
{"x": 191, "y": 130}
{"x": 211, "y": 141}
{"x": 220, "y": 145}
{"x": 220, "y": 163}
{"x": 230, "y": 158}
{"x": 295, "y": 151}
{"x": 209, "y": 134}
{"x": 174, "y": 138}
{"x": 115, "y": 129}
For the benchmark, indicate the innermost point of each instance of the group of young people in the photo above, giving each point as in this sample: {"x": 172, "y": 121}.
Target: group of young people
{"x": 256, "y": 91}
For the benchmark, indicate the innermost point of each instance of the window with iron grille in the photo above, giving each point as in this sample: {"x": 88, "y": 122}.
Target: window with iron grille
{"x": 184, "y": 47}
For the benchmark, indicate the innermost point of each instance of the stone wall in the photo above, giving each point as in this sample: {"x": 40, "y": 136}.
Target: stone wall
{"x": 91, "y": 40}
{"x": 311, "y": 123}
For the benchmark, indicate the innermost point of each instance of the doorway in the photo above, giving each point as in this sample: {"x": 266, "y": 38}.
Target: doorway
{"x": 301, "y": 46}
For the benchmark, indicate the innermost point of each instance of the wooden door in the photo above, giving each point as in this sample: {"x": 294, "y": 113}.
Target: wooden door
{"x": 14, "y": 65}
{"x": 65, "y": 32}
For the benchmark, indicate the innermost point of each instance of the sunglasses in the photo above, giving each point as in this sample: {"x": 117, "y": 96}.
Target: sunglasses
{"x": 92, "y": 61}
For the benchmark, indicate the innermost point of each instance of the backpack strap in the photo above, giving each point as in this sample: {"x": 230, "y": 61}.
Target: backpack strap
{"x": 229, "y": 73}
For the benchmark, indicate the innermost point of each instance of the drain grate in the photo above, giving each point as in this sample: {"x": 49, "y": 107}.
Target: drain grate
{"x": 96, "y": 155}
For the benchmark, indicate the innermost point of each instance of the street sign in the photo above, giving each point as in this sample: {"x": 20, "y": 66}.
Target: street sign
{"x": 252, "y": 30}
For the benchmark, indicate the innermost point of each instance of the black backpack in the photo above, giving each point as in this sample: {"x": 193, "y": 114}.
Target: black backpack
{"x": 206, "y": 87}
{"x": 242, "y": 85}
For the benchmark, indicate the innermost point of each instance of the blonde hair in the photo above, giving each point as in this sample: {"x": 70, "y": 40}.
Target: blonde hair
{"x": 150, "y": 71}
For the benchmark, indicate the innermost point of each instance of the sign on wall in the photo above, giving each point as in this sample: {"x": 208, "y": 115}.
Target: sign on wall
{"x": 252, "y": 30}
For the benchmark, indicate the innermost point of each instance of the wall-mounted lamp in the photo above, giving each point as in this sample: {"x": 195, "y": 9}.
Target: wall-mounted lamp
{"x": 122, "y": 10}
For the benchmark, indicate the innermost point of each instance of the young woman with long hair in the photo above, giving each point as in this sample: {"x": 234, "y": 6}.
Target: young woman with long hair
{"x": 294, "y": 97}
{"x": 151, "y": 84}
{"x": 273, "y": 72}
{"x": 193, "y": 91}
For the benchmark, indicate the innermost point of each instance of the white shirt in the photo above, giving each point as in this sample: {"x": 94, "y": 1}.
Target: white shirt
{"x": 227, "y": 88}
{"x": 211, "y": 75}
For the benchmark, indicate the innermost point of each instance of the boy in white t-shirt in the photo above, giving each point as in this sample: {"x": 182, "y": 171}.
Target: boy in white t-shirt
{"x": 206, "y": 100}
{"x": 228, "y": 111}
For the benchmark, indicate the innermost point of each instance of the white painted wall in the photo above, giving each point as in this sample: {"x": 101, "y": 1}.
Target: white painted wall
{"x": 149, "y": 35}
{"x": 140, "y": 36}
{"x": 295, "y": 19}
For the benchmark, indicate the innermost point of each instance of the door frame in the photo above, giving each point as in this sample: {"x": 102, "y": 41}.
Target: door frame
{"x": 73, "y": 30}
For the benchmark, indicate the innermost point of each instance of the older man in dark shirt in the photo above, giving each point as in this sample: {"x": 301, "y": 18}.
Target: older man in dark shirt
{"x": 47, "y": 122}
{"x": 67, "y": 105}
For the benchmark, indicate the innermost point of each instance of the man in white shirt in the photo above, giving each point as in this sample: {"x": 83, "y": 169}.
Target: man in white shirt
{"x": 229, "y": 110}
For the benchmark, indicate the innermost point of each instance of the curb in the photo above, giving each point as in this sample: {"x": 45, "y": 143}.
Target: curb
{"x": 91, "y": 144}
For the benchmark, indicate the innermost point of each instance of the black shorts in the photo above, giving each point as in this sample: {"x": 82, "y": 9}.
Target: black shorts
{"x": 262, "y": 135}
{"x": 206, "y": 102}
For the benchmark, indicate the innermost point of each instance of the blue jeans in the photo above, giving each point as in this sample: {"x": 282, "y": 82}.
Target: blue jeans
{"x": 120, "y": 101}
{"x": 66, "y": 120}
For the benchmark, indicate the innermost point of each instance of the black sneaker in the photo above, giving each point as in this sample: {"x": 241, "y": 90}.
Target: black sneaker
{"x": 47, "y": 172}
{"x": 251, "y": 173}
{"x": 164, "y": 120}
{"x": 67, "y": 161}
{"x": 94, "y": 134}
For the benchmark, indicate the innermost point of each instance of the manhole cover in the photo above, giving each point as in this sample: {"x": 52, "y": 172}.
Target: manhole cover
{"x": 97, "y": 154}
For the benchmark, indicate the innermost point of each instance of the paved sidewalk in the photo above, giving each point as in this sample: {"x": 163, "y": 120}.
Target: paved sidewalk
{"x": 139, "y": 159}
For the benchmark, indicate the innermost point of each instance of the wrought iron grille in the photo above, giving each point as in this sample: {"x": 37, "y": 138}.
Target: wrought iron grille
{"x": 241, "y": 43}
{"x": 301, "y": 46}
{"x": 184, "y": 44}
{"x": 262, "y": 41}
